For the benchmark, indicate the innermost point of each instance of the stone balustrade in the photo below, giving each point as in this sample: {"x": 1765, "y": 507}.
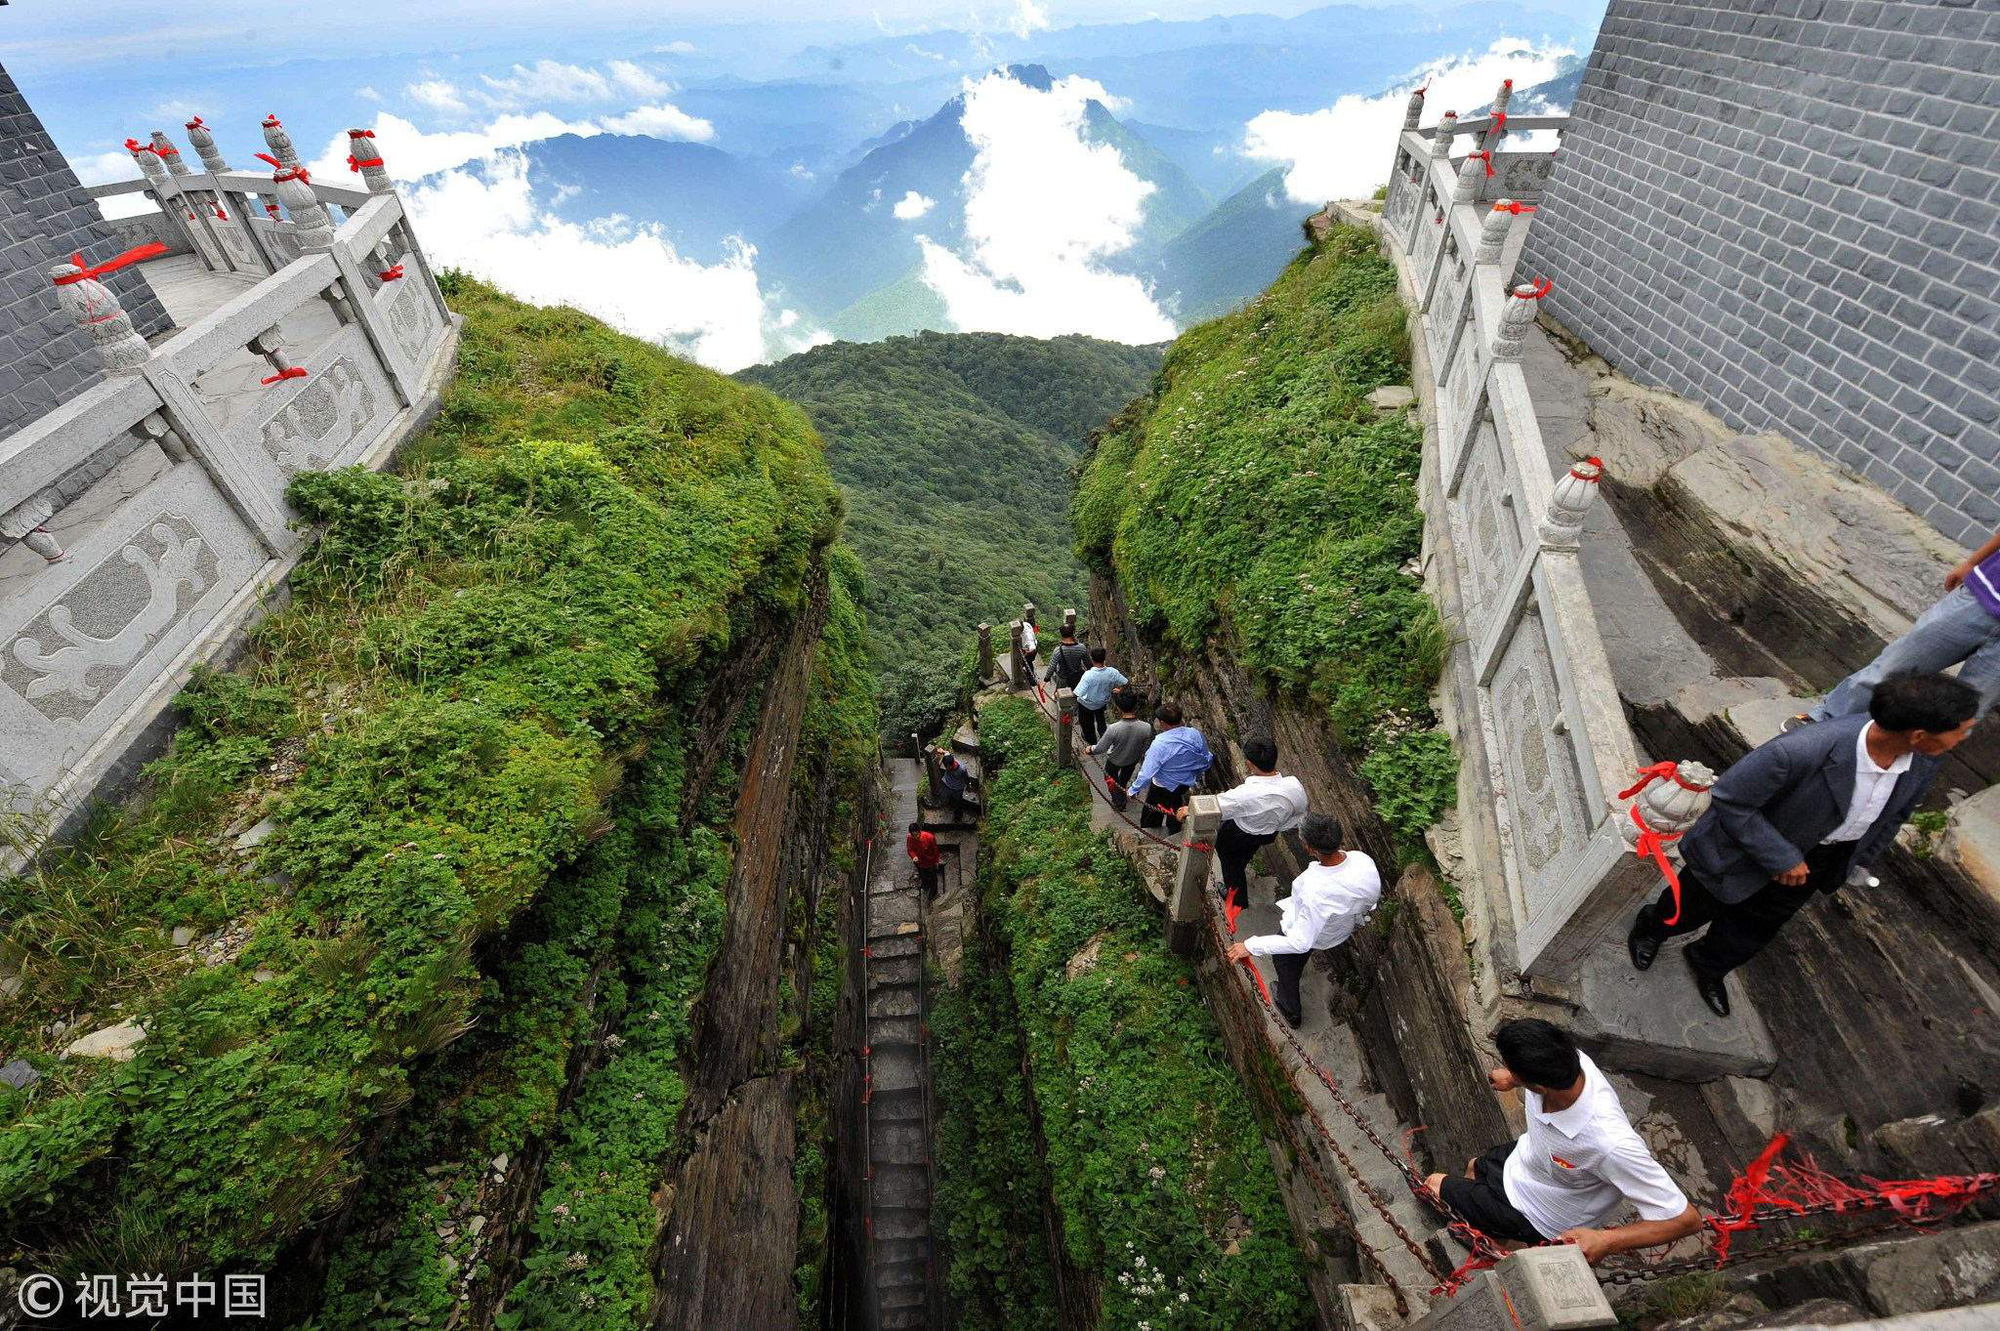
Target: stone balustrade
{"x": 333, "y": 353}
{"x": 1538, "y": 719}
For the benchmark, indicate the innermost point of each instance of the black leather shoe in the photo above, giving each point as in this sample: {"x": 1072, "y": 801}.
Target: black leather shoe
{"x": 1710, "y": 988}
{"x": 1643, "y": 947}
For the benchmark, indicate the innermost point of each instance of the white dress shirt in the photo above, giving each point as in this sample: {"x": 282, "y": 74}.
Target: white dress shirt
{"x": 1575, "y": 1166}
{"x": 1028, "y": 638}
{"x": 1327, "y": 904}
{"x": 1872, "y": 787}
{"x": 1265, "y": 805}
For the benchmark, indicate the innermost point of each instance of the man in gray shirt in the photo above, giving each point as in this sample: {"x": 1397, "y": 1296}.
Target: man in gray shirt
{"x": 1123, "y": 744}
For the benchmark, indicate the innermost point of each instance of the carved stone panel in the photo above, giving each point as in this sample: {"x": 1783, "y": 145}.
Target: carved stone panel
{"x": 241, "y": 252}
{"x": 1520, "y": 176}
{"x": 332, "y": 417}
{"x": 1491, "y": 536}
{"x": 1463, "y": 395}
{"x": 411, "y": 316}
{"x": 86, "y": 642}
{"x": 283, "y": 241}
{"x": 1404, "y": 184}
{"x": 1429, "y": 232}
{"x": 1544, "y": 790}
{"x": 1441, "y": 319}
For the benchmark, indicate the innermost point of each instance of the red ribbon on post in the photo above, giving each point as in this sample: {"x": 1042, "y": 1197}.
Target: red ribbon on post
{"x": 1485, "y": 157}
{"x": 393, "y": 273}
{"x": 138, "y": 254}
{"x": 1653, "y": 845}
{"x": 281, "y": 172}
{"x": 355, "y": 164}
{"x": 295, "y": 372}
{"x": 272, "y": 209}
{"x": 1514, "y": 206}
{"x": 1541, "y": 287}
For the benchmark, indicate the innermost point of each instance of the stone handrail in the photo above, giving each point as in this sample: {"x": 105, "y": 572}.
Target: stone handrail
{"x": 101, "y": 618}
{"x": 1550, "y": 743}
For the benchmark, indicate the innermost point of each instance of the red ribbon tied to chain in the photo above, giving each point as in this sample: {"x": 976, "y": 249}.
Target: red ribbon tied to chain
{"x": 138, "y": 254}
{"x": 394, "y": 273}
{"x": 294, "y": 372}
{"x": 280, "y": 172}
{"x": 1540, "y": 287}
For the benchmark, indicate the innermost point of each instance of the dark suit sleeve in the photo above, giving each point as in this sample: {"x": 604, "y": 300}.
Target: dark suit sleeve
{"x": 1901, "y": 805}
{"x": 1739, "y": 799}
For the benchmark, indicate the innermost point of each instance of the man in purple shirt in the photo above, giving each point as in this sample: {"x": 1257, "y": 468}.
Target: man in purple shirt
{"x": 1962, "y": 626}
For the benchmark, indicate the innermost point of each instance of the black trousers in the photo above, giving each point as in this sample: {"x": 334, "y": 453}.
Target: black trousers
{"x": 1235, "y": 847}
{"x": 1285, "y": 993}
{"x": 1738, "y": 931}
{"x": 1091, "y": 721}
{"x": 1482, "y": 1199}
{"x": 1121, "y": 776}
{"x": 1157, "y": 797}
{"x": 927, "y": 879}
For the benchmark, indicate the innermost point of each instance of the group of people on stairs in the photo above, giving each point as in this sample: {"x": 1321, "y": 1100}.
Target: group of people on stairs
{"x": 1807, "y": 812}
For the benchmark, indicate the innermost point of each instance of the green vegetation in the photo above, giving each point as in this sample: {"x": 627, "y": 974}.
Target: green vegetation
{"x": 1255, "y": 499}
{"x": 990, "y": 1174}
{"x": 1160, "y": 1174}
{"x": 440, "y": 726}
{"x": 956, "y": 453}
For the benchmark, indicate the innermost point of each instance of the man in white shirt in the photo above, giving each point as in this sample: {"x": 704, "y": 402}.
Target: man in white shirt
{"x": 1328, "y": 903}
{"x": 1800, "y": 815}
{"x": 1577, "y": 1165}
{"x": 1030, "y": 643}
{"x": 1252, "y": 816}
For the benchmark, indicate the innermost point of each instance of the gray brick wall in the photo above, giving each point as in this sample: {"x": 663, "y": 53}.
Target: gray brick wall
{"x": 1788, "y": 210}
{"x": 44, "y": 218}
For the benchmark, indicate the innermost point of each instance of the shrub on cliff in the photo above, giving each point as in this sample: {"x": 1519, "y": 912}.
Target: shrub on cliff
{"x": 1159, "y": 1169}
{"x": 1254, "y": 500}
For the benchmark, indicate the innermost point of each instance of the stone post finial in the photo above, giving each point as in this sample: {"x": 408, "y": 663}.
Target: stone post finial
{"x": 95, "y": 308}
{"x": 308, "y": 214}
{"x": 1569, "y": 502}
{"x": 280, "y": 142}
{"x": 1065, "y": 728}
{"x": 24, "y": 521}
{"x": 1414, "y": 111}
{"x": 1472, "y": 173}
{"x": 364, "y": 154}
{"x": 149, "y": 162}
{"x": 163, "y": 148}
{"x": 1493, "y": 232}
{"x": 1491, "y": 138}
{"x": 1441, "y": 139}
{"x": 1670, "y": 798}
{"x": 1069, "y": 621}
{"x": 1017, "y": 665}
{"x": 985, "y": 652}
{"x": 1523, "y": 302}
{"x": 212, "y": 159}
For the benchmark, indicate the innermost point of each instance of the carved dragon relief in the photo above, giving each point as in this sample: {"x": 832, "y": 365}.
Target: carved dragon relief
{"x": 81, "y": 647}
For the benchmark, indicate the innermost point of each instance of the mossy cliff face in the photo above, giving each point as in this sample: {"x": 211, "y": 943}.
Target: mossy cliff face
{"x": 495, "y": 736}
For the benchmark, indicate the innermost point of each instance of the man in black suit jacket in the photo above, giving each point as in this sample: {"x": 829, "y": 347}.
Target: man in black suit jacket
{"x": 1798, "y": 815}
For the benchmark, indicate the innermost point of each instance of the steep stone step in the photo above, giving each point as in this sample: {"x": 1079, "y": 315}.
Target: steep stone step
{"x": 901, "y": 1185}
{"x": 901, "y": 1222}
{"x": 902, "y": 1276}
{"x": 896, "y": 1107}
{"x": 900, "y": 1141}
{"x": 902, "y": 1319}
{"x": 893, "y": 1297}
{"x": 887, "y": 972}
{"x": 895, "y": 945}
{"x": 891, "y": 1253}
{"x": 896, "y": 1070}
{"x": 900, "y": 1002}
{"x": 890, "y": 1031}
{"x": 965, "y": 740}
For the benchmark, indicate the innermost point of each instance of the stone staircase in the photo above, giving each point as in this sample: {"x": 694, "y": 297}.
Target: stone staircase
{"x": 898, "y": 1108}
{"x": 1333, "y": 1047}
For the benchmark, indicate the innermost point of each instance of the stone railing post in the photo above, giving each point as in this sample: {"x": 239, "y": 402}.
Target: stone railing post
{"x": 212, "y": 160}
{"x": 1065, "y": 728}
{"x": 1189, "y": 901}
{"x": 1069, "y": 621}
{"x": 1493, "y": 229}
{"x": 1491, "y": 139}
{"x": 1017, "y": 665}
{"x": 24, "y": 521}
{"x": 1523, "y": 303}
{"x": 365, "y": 156}
{"x": 279, "y": 142}
{"x": 120, "y": 349}
{"x": 216, "y": 165}
{"x": 1671, "y": 799}
{"x": 1536, "y": 1289}
{"x": 1441, "y": 139}
{"x": 170, "y": 156}
{"x": 1569, "y": 504}
{"x": 308, "y": 214}
{"x": 1472, "y": 173}
{"x": 1413, "y": 111}
{"x": 267, "y": 345}
{"x": 166, "y": 194}
{"x": 985, "y": 652}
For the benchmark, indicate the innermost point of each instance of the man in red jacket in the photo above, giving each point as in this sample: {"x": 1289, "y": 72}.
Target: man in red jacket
{"x": 923, "y": 851}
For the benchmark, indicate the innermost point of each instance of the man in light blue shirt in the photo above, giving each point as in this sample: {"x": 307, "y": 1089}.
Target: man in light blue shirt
{"x": 1173, "y": 764}
{"x": 1093, "y": 694}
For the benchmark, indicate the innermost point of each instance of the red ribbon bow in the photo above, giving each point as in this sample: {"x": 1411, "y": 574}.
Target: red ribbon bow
{"x": 356, "y": 163}
{"x": 1652, "y": 845}
{"x": 271, "y": 208}
{"x": 1540, "y": 287}
{"x": 134, "y": 146}
{"x": 196, "y": 123}
{"x": 1514, "y": 207}
{"x": 272, "y": 119}
{"x": 360, "y": 133}
{"x": 1598, "y": 462}
{"x": 138, "y": 254}
{"x": 1485, "y": 157}
{"x": 295, "y": 372}
{"x": 281, "y": 172}
{"x": 220, "y": 215}
{"x": 394, "y": 273}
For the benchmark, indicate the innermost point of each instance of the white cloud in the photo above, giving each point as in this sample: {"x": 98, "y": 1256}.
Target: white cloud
{"x": 664, "y": 121}
{"x": 547, "y": 81}
{"x": 1044, "y": 207}
{"x": 411, "y": 154}
{"x": 489, "y": 224}
{"x": 438, "y": 95}
{"x": 367, "y": 93}
{"x": 675, "y": 48}
{"x": 1028, "y": 17}
{"x": 1343, "y": 151}
{"x": 103, "y": 169}
{"x": 913, "y": 205}
{"x": 638, "y": 80}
